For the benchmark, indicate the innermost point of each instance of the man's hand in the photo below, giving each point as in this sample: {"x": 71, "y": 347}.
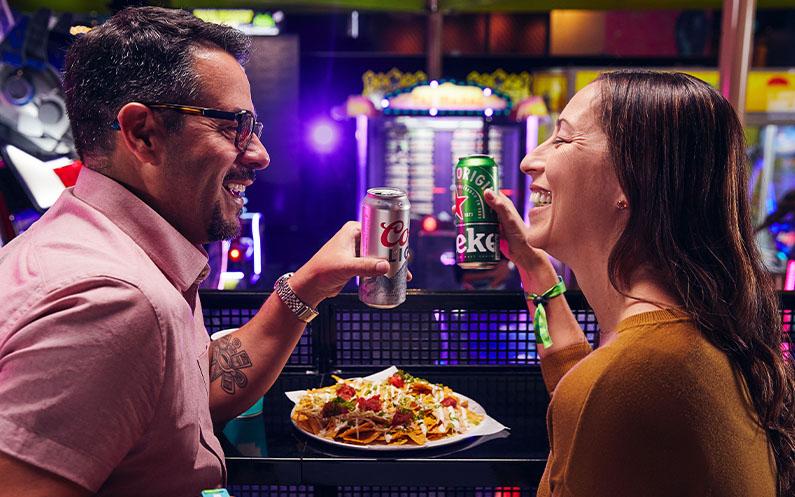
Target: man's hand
{"x": 336, "y": 262}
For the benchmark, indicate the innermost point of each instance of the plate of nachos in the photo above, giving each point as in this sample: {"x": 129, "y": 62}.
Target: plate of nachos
{"x": 390, "y": 410}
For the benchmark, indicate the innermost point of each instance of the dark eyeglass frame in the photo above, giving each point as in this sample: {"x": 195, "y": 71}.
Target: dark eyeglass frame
{"x": 244, "y": 119}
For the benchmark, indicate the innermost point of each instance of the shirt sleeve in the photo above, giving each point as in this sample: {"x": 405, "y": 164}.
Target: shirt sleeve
{"x": 555, "y": 365}
{"x": 80, "y": 375}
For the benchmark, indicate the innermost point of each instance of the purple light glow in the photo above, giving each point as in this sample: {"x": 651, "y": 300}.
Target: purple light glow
{"x": 323, "y": 136}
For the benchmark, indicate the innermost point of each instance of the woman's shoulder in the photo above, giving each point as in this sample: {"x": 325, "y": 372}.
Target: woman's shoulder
{"x": 657, "y": 366}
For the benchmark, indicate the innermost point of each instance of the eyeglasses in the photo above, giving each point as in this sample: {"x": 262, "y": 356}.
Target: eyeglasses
{"x": 247, "y": 125}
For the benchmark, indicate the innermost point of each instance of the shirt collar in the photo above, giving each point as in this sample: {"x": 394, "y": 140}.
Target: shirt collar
{"x": 182, "y": 262}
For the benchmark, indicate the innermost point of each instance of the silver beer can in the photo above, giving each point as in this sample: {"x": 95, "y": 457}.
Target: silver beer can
{"x": 385, "y": 235}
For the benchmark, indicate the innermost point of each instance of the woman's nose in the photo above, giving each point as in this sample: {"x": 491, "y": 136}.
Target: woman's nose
{"x": 533, "y": 163}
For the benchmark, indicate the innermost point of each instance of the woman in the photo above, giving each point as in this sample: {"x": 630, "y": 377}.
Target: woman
{"x": 641, "y": 191}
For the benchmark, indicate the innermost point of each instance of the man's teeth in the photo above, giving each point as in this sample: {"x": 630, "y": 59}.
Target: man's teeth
{"x": 236, "y": 188}
{"x": 540, "y": 198}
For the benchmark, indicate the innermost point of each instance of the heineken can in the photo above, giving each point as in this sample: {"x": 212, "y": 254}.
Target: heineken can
{"x": 477, "y": 243}
{"x": 385, "y": 234}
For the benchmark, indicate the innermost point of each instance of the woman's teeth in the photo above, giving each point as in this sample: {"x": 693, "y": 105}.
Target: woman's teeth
{"x": 236, "y": 189}
{"x": 540, "y": 198}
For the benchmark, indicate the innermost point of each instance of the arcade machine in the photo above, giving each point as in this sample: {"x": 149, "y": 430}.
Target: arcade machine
{"x": 241, "y": 259}
{"x": 36, "y": 146}
{"x": 412, "y": 137}
{"x": 770, "y": 130}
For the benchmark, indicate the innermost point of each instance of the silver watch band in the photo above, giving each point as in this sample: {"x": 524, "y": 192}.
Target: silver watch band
{"x": 302, "y": 311}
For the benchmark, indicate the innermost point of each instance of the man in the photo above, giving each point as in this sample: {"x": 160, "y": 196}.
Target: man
{"x": 108, "y": 383}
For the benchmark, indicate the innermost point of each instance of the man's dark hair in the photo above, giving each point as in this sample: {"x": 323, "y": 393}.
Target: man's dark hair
{"x": 142, "y": 54}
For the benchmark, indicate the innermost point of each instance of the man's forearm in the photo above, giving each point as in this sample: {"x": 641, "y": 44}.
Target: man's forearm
{"x": 246, "y": 363}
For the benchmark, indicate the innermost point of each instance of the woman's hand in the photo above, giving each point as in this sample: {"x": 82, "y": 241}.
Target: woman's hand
{"x": 514, "y": 242}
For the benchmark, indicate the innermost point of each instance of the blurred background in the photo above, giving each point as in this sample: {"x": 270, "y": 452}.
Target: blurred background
{"x": 361, "y": 93}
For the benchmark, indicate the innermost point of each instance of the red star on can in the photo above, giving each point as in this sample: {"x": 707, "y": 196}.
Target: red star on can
{"x": 459, "y": 201}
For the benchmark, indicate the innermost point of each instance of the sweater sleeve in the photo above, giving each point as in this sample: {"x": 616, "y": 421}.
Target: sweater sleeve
{"x": 555, "y": 365}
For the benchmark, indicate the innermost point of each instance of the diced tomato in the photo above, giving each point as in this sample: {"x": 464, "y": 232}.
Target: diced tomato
{"x": 396, "y": 381}
{"x": 449, "y": 402}
{"x": 401, "y": 418}
{"x": 421, "y": 388}
{"x": 371, "y": 404}
{"x": 347, "y": 392}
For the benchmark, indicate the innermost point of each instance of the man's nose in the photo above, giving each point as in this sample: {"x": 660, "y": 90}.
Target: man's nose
{"x": 255, "y": 156}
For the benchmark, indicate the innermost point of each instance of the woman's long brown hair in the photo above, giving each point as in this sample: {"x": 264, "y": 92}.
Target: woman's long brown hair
{"x": 679, "y": 153}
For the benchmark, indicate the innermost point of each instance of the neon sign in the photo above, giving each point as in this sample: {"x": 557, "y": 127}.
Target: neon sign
{"x": 446, "y": 98}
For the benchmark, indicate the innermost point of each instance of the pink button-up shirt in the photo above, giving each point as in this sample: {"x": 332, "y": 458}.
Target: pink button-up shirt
{"x": 103, "y": 351}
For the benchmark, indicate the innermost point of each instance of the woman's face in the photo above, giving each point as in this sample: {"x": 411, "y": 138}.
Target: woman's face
{"x": 574, "y": 190}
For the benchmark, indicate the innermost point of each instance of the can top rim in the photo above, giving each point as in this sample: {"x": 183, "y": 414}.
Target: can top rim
{"x": 477, "y": 156}
{"x": 385, "y": 191}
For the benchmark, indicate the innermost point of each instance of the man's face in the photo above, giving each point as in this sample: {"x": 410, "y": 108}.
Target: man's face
{"x": 203, "y": 172}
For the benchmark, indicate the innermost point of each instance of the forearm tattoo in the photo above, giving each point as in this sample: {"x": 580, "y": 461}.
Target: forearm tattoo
{"x": 227, "y": 361}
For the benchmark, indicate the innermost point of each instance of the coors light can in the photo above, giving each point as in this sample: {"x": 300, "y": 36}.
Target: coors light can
{"x": 385, "y": 234}
{"x": 477, "y": 243}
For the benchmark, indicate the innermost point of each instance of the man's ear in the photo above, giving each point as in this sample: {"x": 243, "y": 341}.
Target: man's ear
{"x": 141, "y": 132}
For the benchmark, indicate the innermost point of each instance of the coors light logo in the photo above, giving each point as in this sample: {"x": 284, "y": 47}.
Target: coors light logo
{"x": 395, "y": 239}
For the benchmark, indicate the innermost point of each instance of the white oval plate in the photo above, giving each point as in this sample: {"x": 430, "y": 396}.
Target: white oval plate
{"x": 487, "y": 426}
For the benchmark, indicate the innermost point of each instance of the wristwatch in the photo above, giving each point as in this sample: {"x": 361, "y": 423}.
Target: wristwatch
{"x": 302, "y": 311}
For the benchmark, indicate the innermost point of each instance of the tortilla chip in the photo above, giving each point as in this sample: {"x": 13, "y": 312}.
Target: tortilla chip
{"x": 417, "y": 437}
{"x": 364, "y": 437}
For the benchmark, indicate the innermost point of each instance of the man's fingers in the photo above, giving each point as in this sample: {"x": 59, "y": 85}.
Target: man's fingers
{"x": 354, "y": 227}
{"x": 369, "y": 266}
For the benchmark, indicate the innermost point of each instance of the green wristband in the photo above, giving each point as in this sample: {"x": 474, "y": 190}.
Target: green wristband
{"x": 540, "y": 325}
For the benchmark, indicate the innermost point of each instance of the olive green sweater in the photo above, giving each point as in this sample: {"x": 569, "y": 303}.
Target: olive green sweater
{"x": 659, "y": 411}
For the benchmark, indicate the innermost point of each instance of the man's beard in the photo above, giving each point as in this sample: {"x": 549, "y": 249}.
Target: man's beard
{"x": 220, "y": 228}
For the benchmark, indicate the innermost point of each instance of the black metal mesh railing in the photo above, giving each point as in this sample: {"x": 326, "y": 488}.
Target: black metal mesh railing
{"x": 429, "y": 329}
{"x": 223, "y": 310}
{"x": 390, "y": 491}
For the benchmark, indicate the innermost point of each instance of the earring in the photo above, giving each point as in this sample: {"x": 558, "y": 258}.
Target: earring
{"x": 621, "y": 204}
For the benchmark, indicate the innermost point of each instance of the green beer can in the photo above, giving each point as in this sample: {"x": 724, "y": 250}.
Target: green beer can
{"x": 477, "y": 243}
